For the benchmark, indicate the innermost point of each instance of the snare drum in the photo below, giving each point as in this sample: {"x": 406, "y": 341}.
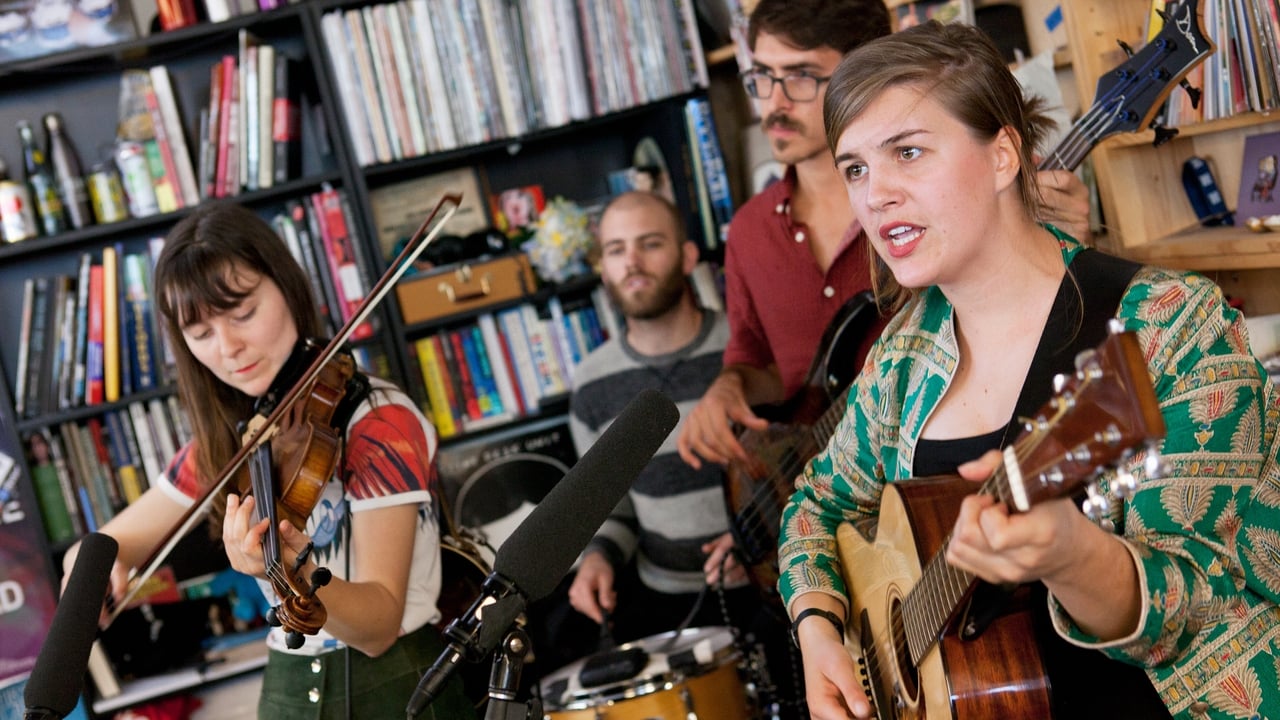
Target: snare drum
{"x": 691, "y": 675}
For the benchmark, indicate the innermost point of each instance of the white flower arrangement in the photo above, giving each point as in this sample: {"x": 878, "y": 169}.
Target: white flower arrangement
{"x": 561, "y": 241}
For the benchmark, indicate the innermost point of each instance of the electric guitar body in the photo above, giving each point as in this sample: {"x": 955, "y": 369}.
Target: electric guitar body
{"x": 758, "y": 490}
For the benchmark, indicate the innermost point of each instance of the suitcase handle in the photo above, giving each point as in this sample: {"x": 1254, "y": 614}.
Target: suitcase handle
{"x": 463, "y": 275}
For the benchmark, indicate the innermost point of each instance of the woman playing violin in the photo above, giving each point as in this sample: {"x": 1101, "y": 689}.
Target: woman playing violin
{"x": 237, "y": 308}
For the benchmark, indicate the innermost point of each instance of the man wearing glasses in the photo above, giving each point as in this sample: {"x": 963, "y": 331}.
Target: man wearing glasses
{"x": 795, "y": 254}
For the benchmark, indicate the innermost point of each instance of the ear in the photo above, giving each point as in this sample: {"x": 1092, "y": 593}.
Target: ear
{"x": 689, "y": 256}
{"x": 1005, "y": 148}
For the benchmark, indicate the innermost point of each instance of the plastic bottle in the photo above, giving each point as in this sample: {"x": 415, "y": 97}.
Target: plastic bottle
{"x": 44, "y": 193}
{"x": 17, "y": 221}
{"x": 68, "y": 173}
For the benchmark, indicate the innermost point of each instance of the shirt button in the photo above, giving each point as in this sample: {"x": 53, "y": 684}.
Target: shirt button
{"x": 780, "y": 208}
{"x": 799, "y": 236}
{"x": 828, "y": 291}
{"x": 315, "y": 666}
{"x": 314, "y": 695}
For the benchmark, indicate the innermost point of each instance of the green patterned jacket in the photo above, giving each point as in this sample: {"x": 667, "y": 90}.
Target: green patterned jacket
{"x": 1208, "y": 638}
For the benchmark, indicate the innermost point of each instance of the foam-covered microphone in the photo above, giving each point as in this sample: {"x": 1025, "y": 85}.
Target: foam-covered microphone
{"x": 544, "y": 546}
{"x": 57, "y": 678}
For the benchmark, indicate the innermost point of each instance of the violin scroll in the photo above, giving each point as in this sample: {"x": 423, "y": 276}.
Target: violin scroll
{"x": 300, "y": 612}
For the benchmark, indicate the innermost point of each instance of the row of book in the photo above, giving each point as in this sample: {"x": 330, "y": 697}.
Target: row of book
{"x": 90, "y": 338}
{"x": 151, "y": 122}
{"x": 96, "y": 337}
{"x": 85, "y": 473}
{"x": 422, "y": 76}
{"x": 174, "y": 14}
{"x": 507, "y": 363}
{"x": 250, "y": 130}
{"x": 321, "y": 234}
{"x": 1241, "y": 76}
{"x": 711, "y": 181}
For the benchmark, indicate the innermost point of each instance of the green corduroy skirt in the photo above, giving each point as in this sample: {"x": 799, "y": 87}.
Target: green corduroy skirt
{"x": 299, "y": 687}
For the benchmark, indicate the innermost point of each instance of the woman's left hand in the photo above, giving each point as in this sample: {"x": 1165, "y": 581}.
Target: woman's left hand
{"x": 242, "y": 536}
{"x": 1001, "y": 546}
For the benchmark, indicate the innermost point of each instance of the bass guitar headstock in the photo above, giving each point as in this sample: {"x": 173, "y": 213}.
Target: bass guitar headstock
{"x": 1130, "y": 95}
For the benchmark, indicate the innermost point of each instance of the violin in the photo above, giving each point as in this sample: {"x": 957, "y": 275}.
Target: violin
{"x": 297, "y": 444}
{"x": 293, "y": 469}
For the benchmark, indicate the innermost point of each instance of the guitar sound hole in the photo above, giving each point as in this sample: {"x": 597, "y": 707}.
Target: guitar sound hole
{"x": 907, "y": 673}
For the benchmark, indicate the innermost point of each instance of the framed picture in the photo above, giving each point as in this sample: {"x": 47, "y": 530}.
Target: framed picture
{"x": 30, "y": 28}
{"x": 399, "y": 209}
{"x": 1259, "y": 196}
{"x": 907, "y": 14}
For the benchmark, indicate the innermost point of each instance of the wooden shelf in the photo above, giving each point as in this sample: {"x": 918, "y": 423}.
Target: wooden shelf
{"x": 722, "y": 54}
{"x": 1235, "y": 122}
{"x": 1208, "y": 249}
{"x": 137, "y": 691}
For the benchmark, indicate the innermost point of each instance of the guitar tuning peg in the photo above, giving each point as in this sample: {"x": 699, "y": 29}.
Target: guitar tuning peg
{"x": 1095, "y": 505}
{"x": 1163, "y": 134}
{"x": 1154, "y": 464}
{"x": 1084, "y": 360}
{"x": 1059, "y": 382}
{"x": 1125, "y": 484}
{"x": 1128, "y": 51}
{"x": 1116, "y": 326}
{"x": 1193, "y": 92}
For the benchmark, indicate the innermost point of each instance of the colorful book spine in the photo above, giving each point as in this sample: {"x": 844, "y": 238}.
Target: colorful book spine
{"x": 437, "y": 397}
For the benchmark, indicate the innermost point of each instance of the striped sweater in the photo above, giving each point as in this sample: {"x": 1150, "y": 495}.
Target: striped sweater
{"x": 671, "y": 509}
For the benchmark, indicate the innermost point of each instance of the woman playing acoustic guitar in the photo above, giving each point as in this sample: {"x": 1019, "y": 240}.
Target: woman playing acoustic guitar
{"x": 934, "y": 142}
{"x": 238, "y": 309}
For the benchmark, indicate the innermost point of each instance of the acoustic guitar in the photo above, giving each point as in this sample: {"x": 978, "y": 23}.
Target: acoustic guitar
{"x": 1127, "y": 99}
{"x": 925, "y": 647}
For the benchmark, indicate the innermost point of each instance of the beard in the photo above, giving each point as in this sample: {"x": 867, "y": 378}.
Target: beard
{"x": 649, "y": 304}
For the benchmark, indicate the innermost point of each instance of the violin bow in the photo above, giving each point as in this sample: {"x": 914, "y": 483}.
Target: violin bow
{"x": 424, "y": 236}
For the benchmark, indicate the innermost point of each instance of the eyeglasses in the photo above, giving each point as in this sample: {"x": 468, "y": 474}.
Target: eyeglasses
{"x": 798, "y": 87}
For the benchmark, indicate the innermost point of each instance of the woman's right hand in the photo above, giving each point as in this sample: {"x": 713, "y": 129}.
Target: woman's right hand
{"x": 117, "y": 582}
{"x": 592, "y": 591}
{"x": 708, "y": 432}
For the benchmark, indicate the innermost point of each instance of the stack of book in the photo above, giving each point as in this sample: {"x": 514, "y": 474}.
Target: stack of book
{"x": 415, "y": 78}
{"x": 508, "y": 362}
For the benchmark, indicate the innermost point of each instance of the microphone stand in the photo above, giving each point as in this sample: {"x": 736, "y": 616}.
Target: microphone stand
{"x": 504, "y": 679}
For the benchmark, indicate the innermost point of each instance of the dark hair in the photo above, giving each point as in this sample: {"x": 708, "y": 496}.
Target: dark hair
{"x": 192, "y": 278}
{"x": 959, "y": 66}
{"x": 811, "y": 24}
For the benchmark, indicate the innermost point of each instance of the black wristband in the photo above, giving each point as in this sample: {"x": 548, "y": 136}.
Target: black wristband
{"x": 807, "y": 612}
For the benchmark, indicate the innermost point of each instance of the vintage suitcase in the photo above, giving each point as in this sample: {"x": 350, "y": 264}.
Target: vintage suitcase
{"x": 464, "y": 287}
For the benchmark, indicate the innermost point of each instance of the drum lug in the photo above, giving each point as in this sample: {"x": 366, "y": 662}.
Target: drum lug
{"x": 687, "y": 697}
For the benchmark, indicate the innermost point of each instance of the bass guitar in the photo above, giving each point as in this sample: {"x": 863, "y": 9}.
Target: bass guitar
{"x": 1127, "y": 99}
{"x": 925, "y": 647}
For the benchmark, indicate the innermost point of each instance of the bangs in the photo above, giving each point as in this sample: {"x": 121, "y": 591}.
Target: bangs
{"x": 200, "y": 286}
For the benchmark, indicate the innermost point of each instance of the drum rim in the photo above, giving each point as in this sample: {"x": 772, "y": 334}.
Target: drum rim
{"x": 662, "y": 682}
{"x": 658, "y": 682}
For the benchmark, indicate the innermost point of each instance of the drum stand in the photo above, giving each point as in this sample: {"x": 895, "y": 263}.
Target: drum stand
{"x": 504, "y": 678}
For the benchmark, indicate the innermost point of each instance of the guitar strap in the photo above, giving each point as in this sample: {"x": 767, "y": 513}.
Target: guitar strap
{"x": 1088, "y": 298}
